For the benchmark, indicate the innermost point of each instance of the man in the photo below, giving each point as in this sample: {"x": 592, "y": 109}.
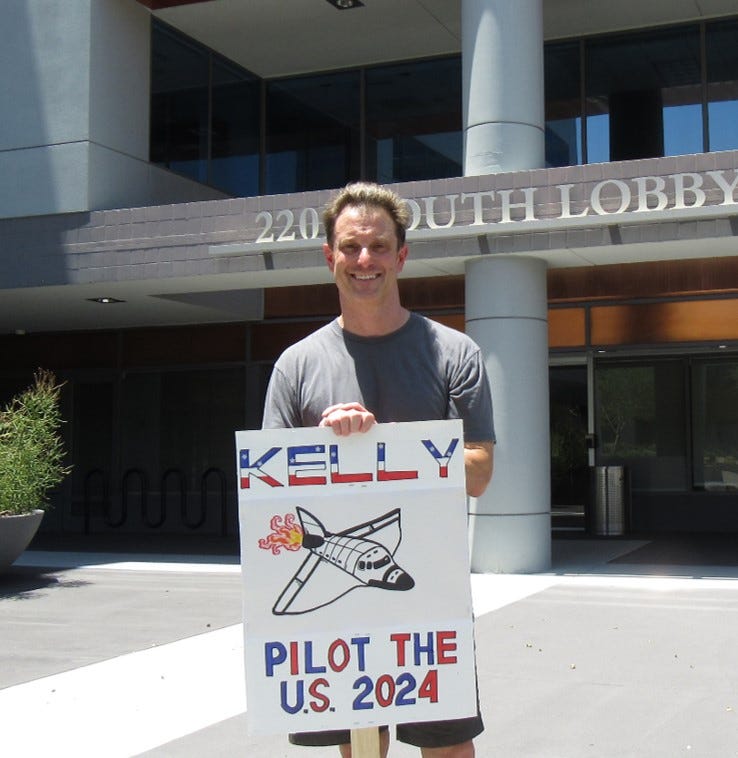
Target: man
{"x": 377, "y": 362}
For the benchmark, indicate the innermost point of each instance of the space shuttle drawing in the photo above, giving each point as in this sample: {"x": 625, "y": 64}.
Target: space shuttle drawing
{"x": 337, "y": 563}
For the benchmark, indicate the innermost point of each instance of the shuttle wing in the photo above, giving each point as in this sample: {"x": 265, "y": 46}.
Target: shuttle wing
{"x": 317, "y": 583}
{"x": 386, "y": 530}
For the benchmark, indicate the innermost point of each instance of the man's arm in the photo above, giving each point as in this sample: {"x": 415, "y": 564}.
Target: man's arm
{"x": 478, "y": 464}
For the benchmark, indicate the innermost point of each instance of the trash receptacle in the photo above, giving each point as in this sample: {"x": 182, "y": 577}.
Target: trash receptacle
{"x": 611, "y": 501}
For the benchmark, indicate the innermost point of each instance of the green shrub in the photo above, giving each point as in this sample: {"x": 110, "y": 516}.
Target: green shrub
{"x": 31, "y": 448}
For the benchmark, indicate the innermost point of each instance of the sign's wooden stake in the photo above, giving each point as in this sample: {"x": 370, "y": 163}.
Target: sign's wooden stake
{"x": 365, "y": 743}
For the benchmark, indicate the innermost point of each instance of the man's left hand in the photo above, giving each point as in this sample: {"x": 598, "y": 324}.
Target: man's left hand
{"x": 348, "y": 418}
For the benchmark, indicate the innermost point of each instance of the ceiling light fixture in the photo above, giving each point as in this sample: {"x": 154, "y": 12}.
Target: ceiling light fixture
{"x": 344, "y": 5}
{"x": 105, "y": 300}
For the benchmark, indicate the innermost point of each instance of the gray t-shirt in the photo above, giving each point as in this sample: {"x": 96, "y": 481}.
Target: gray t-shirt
{"x": 424, "y": 371}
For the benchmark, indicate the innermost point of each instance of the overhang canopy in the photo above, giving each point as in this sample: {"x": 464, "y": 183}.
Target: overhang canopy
{"x": 207, "y": 262}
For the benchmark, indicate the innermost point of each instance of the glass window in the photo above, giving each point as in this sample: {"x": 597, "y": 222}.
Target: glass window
{"x": 205, "y": 114}
{"x": 568, "y": 427}
{"x": 643, "y": 95}
{"x": 563, "y": 104}
{"x": 715, "y": 424}
{"x": 312, "y": 132}
{"x": 180, "y": 74}
{"x": 722, "y": 84}
{"x": 234, "y": 164}
{"x": 640, "y": 416}
{"x": 682, "y": 121}
{"x": 413, "y": 121}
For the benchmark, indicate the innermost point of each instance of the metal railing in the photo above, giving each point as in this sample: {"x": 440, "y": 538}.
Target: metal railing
{"x": 125, "y": 490}
{"x": 96, "y": 490}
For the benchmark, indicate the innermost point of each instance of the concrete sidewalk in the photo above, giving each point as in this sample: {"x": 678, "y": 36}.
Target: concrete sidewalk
{"x": 604, "y": 656}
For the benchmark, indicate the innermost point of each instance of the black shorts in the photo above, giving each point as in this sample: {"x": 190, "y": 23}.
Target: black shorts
{"x": 421, "y": 734}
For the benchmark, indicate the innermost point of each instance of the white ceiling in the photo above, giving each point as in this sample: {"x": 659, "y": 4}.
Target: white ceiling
{"x": 311, "y": 35}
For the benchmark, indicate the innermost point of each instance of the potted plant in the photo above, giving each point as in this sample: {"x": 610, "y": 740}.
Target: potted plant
{"x": 31, "y": 462}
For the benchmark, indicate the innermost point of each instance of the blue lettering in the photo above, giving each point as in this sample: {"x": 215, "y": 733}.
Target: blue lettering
{"x": 299, "y": 697}
{"x": 426, "y": 649}
{"x": 309, "y": 667}
{"x": 442, "y": 459}
{"x": 274, "y": 654}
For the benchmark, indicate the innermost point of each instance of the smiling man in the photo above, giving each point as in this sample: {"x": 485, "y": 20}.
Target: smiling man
{"x": 378, "y": 362}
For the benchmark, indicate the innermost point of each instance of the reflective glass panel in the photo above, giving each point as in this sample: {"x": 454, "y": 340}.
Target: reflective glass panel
{"x": 715, "y": 424}
{"x": 643, "y": 95}
{"x": 234, "y": 163}
{"x": 563, "y": 104}
{"x": 640, "y": 418}
{"x": 683, "y": 122}
{"x": 722, "y": 84}
{"x": 569, "y": 460}
{"x": 413, "y": 121}
{"x": 598, "y": 132}
{"x": 312, "y": 132}
{"x": 179, "y": 104}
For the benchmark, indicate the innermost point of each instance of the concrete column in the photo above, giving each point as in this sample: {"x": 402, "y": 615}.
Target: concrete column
{"x": 506, "y": 315}
{"x": 75, "y": 102}
{"x": 502, "y": 59}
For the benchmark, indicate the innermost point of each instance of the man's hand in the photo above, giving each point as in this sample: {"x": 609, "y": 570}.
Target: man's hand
{"x": 348, "y": 418}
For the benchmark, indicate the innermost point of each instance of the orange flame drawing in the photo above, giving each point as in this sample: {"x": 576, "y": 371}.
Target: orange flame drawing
{"x": 285, "y": 534}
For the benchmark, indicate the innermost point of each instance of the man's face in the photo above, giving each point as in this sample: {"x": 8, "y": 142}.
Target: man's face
{"x": 365, "y": 258}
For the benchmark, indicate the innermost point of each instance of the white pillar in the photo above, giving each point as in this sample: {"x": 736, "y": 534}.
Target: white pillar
{"x": 502, "y": 59}
{"x": 506, "y": 315}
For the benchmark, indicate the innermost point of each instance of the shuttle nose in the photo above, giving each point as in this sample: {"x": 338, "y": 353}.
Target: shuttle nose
{"x": 397, "y": 579}
{"x": 404, "y": 581}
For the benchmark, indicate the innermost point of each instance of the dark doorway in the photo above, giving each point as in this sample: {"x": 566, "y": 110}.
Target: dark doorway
{"x": 569, "y": 464}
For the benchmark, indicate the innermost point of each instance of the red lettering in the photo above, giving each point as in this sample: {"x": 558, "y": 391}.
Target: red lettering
{"x": 393, "y": 476}
{"x": 384, "y": 690}
{"x": 321, "y": 702}
{"x": 338, "y": 644}
{"x": 294, "y": 662}
{"x": 296, "y": 481}
{"x": 445, "y": 644}
{"x": 429, "y": 686}
{"x": 400, "y": 640}
{"x": 337, "y": 477}
{"x": 439, "y": 645}
{"x": 390, "y": 476}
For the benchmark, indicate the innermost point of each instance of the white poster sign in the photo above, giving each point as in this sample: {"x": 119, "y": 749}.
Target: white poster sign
{"x": 357, "y": 604}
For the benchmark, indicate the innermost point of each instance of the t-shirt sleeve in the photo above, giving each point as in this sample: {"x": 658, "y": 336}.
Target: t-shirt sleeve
{"x": 280, "y": 405}
{"x": 471, "y": 398}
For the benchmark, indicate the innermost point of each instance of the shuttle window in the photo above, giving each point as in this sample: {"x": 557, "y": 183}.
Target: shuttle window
{"x": 382, "y": 562}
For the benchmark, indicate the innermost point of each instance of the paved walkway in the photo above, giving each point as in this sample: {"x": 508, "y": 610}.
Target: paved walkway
{"x": 605, "y": 656}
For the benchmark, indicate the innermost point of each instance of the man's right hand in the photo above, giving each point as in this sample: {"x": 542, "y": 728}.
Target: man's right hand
{"x": 348, "y": 418}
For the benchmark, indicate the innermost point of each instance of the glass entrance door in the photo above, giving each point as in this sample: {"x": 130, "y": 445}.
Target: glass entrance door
{"x": 569, "y": 463}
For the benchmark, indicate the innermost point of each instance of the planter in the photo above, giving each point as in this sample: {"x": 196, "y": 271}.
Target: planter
{"x": 16, "y": 532}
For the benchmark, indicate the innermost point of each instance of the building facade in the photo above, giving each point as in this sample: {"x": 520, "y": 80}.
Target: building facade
{"x": 573, "y": 182}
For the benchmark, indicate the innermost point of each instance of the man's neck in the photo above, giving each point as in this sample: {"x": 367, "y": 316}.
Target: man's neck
{"x": 373, "y": 323}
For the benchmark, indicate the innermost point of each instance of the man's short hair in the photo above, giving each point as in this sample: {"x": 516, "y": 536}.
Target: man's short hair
{"x": 369, "y": 195}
